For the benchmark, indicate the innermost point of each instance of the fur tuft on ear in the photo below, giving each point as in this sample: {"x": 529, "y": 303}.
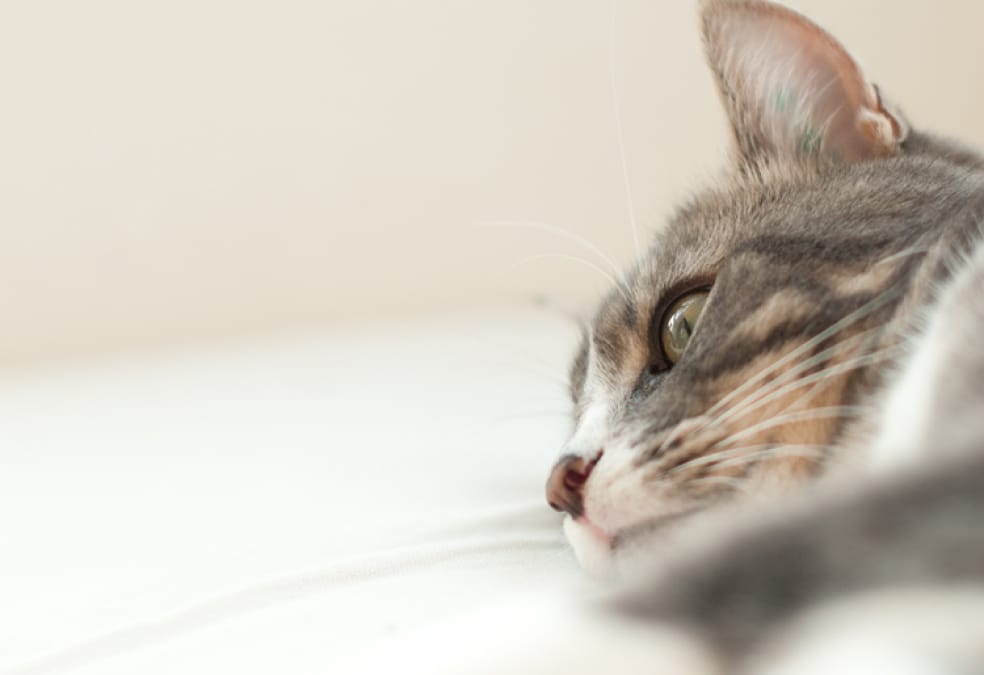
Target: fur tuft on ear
{"x": 791, "y": 90}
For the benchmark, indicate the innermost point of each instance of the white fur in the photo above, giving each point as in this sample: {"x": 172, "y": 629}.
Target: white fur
{"x": 592, "y": 430}
{"x": 611, "y": 495}
{"x": 905, "y": 417}
{"x": 594, "y": 424}
{"x": 899, "y": 632}
{"x": 854, "y": 653}
{"x": 592, "y": 553}
{"x": 910, "y": 417}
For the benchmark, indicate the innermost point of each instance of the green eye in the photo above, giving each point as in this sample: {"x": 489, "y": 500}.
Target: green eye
{"x": 679, "y": 323}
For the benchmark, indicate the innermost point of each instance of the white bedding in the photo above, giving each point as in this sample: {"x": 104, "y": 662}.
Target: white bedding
{"x": 312, "y": 504}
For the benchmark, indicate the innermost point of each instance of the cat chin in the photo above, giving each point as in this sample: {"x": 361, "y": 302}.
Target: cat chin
{"x": 593, "y": 551}
{"x": 618, "y": 555}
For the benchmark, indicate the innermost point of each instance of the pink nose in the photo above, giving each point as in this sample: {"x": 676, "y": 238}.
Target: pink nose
{"x": 565, "y": 487}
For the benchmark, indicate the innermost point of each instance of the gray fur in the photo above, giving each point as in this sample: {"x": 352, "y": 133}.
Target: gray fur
{"x": 911, "y": 531}
{"x": 792, "y": 244}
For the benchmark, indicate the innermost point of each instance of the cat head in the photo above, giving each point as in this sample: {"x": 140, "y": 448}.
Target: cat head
{"x": 732, "y": 358}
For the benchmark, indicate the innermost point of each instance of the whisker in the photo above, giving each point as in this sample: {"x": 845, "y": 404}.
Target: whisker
{"x": 618, "y": 130}
{"x": 619, "y": 286}
{"x": 735, "y": 452}
{"x": 825, "y": 374}
{"x": 811, "y": 362}
{"x": 734, "y": 483}
{"x": 673, "y": 435}
{"x": 559, "y": 231}
{"x": 529, "y": 369}
{"x": 904, "y": 253}
{"x": 867, "y": 308}
{"x": 819, "y": 452}
{"x": 752, "y": 398}
{"x": 802, "y": 416}
{"x": 741, "y": 461}
{"x": 517, "y": 353}
{"x": 559, "y": 308}
{"x": 823, "y": 377}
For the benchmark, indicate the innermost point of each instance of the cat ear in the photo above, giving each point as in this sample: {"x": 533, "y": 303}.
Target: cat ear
{"x": 791, "y": 89}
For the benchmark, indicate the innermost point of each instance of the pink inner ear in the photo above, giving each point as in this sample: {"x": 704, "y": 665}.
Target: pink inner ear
{"x": 799, "y": 89}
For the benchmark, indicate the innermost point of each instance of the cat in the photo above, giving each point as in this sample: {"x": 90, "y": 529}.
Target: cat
{"x": 781, "y": 403}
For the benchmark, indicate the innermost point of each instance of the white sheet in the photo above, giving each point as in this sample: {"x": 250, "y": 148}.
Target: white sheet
{"x": 290, "y": 505}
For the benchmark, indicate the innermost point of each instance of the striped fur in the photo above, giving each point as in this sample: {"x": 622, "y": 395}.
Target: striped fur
{"x": 840, "y": 271}
{"x": 791, "y": 253}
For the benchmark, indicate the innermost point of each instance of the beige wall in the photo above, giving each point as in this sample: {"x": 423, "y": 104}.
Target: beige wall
{"x": 175, "y": 169}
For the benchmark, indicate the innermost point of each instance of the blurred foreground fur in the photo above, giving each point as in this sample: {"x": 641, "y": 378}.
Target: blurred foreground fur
{"x": 779, "y": 412}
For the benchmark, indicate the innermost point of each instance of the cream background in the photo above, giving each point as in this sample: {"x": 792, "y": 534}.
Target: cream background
{"x": 179, "y": 170}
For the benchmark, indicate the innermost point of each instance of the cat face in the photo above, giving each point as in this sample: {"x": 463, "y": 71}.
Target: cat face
{"x": 732, "y": 358}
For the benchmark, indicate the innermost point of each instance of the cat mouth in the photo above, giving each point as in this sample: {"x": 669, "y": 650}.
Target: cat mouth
{"x": 642, "y": 528}
{"x": 597, "y": 531}
{"x": 596, "y": 548}
{"x": 650, "y": 526}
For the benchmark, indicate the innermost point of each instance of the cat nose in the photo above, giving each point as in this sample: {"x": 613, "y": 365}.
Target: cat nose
{"x": 566, "y": 483}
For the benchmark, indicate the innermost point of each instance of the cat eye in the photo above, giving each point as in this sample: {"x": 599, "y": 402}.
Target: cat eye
{"x": 679, "y": 323}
